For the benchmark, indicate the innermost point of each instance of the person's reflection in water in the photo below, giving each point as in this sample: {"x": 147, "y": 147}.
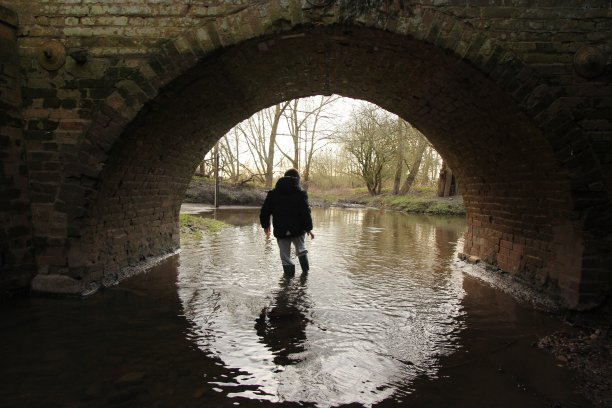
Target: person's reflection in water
{"x": 282, "y": 325}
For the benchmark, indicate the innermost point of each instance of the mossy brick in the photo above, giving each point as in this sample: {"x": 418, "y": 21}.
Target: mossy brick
{"x": 51, "y": 103}
{"x": 45, "y": 176}
{"x": 35, "y": 93}
{"x": 5, "y": 141}
{"x": 38, "y": 134}
{"x": 50, "y": 147}
{"x": 45, "y": 188}
{"x": 18, "y": 231}
{"x": 41, "y": 124}
{"x": 98, "y": 93}
{"x": 86, "y": 104}
{"x": 41, "y": 156}
{"x": 7, "y": 118}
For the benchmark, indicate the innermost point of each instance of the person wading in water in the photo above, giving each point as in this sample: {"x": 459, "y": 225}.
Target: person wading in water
{"x": 288, "y": 205}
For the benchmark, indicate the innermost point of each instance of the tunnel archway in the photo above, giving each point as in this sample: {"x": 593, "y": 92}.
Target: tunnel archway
{"x": 521, "y": 216}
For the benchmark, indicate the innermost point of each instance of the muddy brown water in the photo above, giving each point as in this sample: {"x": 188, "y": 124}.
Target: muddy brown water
{"x": 385, "y": 318}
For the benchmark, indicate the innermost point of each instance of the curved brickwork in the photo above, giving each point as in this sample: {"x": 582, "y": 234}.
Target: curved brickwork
{"x": 492, "y": 87}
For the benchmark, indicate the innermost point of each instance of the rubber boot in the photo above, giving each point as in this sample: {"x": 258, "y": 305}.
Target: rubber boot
{"x": 304, "y": 263}
{"x": 289, "y": 270}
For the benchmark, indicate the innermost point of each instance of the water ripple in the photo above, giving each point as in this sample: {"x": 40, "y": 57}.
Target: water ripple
{"x": 379, "y": 308}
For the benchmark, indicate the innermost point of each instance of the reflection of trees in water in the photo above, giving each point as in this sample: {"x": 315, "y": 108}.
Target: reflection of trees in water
{"x": 397, "y": 231}
{"x": 399, "y": 245}
{"x": 238, "y": 217}
{"x": 282, "y": 325}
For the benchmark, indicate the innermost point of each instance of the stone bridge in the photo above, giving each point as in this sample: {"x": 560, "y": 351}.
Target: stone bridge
{"x": 107, "y": 107}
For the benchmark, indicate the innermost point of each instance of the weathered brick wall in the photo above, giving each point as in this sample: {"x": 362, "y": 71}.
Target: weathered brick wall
{"x": 16, "y": 257}
{"x": 530, "y": 138}
{"x": 546, "y": 35}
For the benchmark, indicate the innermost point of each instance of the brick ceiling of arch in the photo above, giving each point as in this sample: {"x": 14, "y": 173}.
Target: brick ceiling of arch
{"x": 474, "y": 125}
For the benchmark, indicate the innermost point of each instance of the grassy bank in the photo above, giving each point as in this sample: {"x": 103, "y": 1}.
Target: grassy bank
{"x": 422, "y": 200}
{"x": 431, "y": 205}
{"x": 193, "y": 226}
{"x": 202, "y": 190}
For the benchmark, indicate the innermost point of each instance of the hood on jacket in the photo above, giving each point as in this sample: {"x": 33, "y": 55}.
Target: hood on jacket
{"x": 287, "y": 185}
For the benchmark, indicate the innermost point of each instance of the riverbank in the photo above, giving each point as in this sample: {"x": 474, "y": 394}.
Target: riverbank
{"x": 584, "y": 344}
{"x": 194, "y": 227}
{"x": 421, "y": 200}
{"x": 202, "y": 190}
{"x": 587, "y": 350}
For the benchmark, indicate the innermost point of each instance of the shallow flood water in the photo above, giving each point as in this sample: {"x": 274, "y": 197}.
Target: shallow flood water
{"x": 384, "y": 318}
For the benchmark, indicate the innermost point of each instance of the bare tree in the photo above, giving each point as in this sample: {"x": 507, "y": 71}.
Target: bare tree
{"x": 304, "y": 118}
{"x": 229, "y": 155}
{"x": 380, "y": 146}
{"x": 367, "y": 141}
{"x": 418, "y": 144}
{"x": 416, "y": 164}
{"x": 317, "y": 131}
{"x": 429, "y": 172}
{"x": 410, "y": 145}
{"x": 260, "y": 132}
{"x": 294, "y": 124}
{"x": 206, "y": 167}
{"x": 252, "y": 131}
{"x": 399, "y": 155}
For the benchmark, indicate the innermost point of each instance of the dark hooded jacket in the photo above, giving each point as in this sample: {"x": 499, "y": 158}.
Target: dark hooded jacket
{"x": 288, "y": 205}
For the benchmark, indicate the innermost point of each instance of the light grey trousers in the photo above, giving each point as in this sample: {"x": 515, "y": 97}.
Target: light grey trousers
{"x": 284, "y": 245}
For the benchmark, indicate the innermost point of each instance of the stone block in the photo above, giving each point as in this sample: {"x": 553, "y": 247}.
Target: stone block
{"x": 473, "y": 259}
{"x": 59, "y": 284}
{"x": 8, "y": 17}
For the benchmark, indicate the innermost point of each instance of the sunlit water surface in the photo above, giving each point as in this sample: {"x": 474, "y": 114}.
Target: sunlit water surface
{"x": 385, "y": 318}
{"x": 378, "y": 308}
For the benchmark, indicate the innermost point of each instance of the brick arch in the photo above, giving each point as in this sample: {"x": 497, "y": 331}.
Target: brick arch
{"x": 142, "y": 185}
{"x": 527, "y": 90}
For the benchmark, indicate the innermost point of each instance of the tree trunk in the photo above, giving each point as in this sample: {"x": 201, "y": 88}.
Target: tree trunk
{"x": 414, "y": 170}
{"x": 270, "y": 157}
{"x": 398, "y": 176}
{"x": 442, "y": 180}
{"x": 371, "y": 189}
{"x": 400, "y": 158}
{"x": 296, "y": 136}
{"x": 237, "y": 159}
{"x": 306, "y": 172}
{"x": 448, "y": 182}
{"x": 426, "y": 166}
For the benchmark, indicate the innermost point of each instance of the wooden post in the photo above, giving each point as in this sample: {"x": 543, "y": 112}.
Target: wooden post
{"x": 216, "y": 153}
